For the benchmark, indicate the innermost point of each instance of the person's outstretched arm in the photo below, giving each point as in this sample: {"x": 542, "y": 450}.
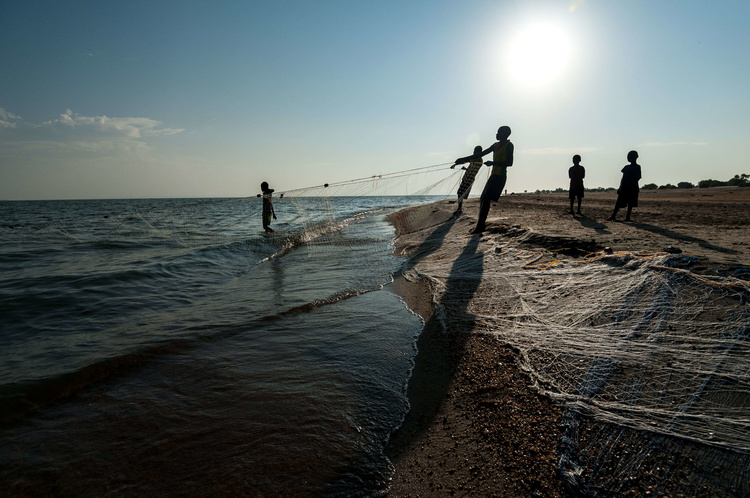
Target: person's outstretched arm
{"x": 466, "y": 159}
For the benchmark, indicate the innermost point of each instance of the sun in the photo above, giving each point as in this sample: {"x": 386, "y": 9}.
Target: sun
{"x": 539, "y": 55}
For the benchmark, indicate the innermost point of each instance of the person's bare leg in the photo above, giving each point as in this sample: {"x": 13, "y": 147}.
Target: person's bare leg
{"x": 459, "y": 207}
{"x": 484, "y": 210}
{"x": 627, "y": 217}
{"x": 614, "y": 213}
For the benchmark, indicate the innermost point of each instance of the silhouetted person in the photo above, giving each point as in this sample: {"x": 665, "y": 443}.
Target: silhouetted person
{"x": 468, "y": 179}
{"x": 502, "y": 159}
{"x": 576, "y": 173}
{"x": 627, "y": 194}
{"x": 268, "y": 211}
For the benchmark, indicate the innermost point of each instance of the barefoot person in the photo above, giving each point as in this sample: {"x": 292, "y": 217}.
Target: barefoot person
{"x": 468, "y": 179}
{"x": 267, "y": 207}
{"x": 576, "y": 174}
{"x": 502, "y": 159}
{"x": 627, "y": 194}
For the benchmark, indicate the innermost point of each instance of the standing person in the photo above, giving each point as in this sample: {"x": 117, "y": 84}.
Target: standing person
{"x": 576, "y": 174}
{"x": 627, "y": 194}
{"x": 502, "y": 159}
{"x": 267, "y": 207}
{"x": 468, "y": 179}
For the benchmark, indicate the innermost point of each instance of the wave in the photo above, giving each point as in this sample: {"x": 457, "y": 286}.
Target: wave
{"x": 313, "y": 231}
{"x": 157, "y": 296}
{"x": 18, "y": 399}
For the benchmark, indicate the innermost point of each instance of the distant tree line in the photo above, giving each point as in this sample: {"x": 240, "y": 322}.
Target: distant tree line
{"x": 742, "y": 180}
{"x": 565, "y": 191}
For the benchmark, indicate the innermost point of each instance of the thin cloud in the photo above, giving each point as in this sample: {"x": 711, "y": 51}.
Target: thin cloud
{"x": 87, "y": 134}
{"x": 125, "y": 127}
{"x": 7, "y": 119}
{"x": 673, "y": 144}
{"x": 558, "y": 151}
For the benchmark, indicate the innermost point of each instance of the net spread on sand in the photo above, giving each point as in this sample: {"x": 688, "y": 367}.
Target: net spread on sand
{"x": 649, "y": 360}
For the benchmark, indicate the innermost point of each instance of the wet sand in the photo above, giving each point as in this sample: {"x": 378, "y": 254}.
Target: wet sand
{"x": 477, "y": 426}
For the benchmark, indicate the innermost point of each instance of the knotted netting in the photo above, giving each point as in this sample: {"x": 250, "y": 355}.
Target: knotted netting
{"x": 650, "y": 361}
{"x": 303, "y": 215}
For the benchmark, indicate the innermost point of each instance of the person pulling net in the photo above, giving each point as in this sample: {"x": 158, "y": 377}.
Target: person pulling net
{"x": 268, "y": 211}
{"x": 300, "y": 215}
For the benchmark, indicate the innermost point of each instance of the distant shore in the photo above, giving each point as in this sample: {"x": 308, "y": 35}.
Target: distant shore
{"x": 477, "y": 427}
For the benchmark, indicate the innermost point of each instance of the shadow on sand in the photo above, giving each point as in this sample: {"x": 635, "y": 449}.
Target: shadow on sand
{"x": 439, "y": 350}
{"x": 682, "y": 237}
{"x": 431, "y": 244}
{"x": 591, "y": 223}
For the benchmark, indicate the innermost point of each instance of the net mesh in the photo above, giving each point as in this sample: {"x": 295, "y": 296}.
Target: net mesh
{"x": 303, "y": 215}
{"x": 649, "y": 361}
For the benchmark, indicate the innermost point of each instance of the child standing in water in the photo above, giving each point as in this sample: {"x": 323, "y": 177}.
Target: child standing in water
{"x": 267, "y": 207}
{"x": 576, "y": 174}
{"x": 468, "y": 179}
{"x": 627, "y": 194}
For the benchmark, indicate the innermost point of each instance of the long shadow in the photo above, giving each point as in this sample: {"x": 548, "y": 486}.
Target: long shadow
{"x": 431, "y": 244}
{"x": 685, "y": 238}
{"x": 591, "y": 223}
{"x": 439, "y": 350}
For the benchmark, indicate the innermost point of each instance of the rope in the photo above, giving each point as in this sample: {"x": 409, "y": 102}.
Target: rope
{"x": 395, "y": 174}
{"x": 169, "y": 222}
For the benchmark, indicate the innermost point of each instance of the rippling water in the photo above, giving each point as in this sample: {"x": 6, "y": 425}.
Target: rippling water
{"x": 169, "y": 347}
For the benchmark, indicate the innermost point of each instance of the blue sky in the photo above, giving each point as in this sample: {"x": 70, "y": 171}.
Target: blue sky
{"x": 107, "y": 99}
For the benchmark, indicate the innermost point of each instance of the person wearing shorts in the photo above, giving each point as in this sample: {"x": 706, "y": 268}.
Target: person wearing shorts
{"x": 502, "y": 159}
{"x": 627, "y": 194}
{"x": 576, "y": 173}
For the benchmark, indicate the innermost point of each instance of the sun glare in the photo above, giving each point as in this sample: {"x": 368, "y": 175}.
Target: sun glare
{"x": 539, "y": 55}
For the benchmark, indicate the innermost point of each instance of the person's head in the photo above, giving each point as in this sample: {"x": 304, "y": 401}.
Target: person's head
{"x": 632, "y": 156}
{"x": 576, "y": 159}
{"x": 264, "y": 186}
{"x": 477, "y": 150}
{"x": 503, "y": 132}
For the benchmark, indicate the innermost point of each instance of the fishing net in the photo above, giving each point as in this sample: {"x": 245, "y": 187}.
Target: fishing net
{"x": 649, "y": 360}
{"x": 304, "y": 216}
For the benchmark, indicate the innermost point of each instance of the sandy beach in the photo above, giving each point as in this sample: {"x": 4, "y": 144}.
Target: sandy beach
{"x": 501, "y": 407}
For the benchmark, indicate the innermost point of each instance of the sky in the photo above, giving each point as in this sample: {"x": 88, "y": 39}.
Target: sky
{"x": 115, "y": 99}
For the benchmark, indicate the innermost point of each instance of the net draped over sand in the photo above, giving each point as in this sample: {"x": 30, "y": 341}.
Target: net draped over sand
{"x": 649, "y": 360}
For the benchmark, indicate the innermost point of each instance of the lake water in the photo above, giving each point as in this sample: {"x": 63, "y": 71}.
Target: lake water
{"x": 170, "y": 347}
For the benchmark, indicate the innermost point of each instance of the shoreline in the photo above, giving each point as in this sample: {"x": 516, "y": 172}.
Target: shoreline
{"x": 477, "y": 425}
